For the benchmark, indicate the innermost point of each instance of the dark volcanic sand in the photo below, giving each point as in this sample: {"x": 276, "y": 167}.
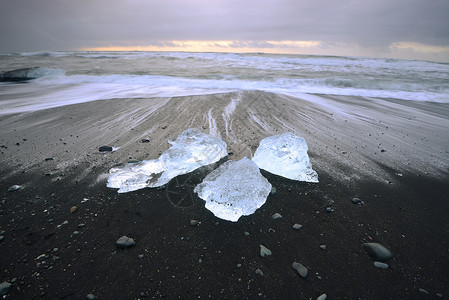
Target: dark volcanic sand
{"x": 404, "y": 192}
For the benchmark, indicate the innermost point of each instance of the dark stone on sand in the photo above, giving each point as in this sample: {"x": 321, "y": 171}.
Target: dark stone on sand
{"x": 297, "y": 226}
{"x": 145, "y": 141}
{"x": 91, "y": 297}
{"x": 4, "y": 288}
{"x": 377, "y": 252}
{"x": 14, "y": 188}
{"x": 125, "y": 242}
{"x": 381, "y": 265}
{"x": 264, "y": 251}
{"x": 276, "y": 216}
{"x": 17, "y": 75}
{"x": 259, "y": 272}
{"x": 423, "y": 291}
{"x": 48, "y": 158}
{"x": 302, "y": 271}
{"x": 105, "y": 149}
{"x": 356, "y": 201}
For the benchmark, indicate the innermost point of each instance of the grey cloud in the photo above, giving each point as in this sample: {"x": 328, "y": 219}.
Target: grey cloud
{"x": 65, "y": 25}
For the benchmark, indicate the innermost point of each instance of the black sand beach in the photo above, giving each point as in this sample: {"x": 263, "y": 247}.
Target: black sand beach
{"x": 391, "y": 154}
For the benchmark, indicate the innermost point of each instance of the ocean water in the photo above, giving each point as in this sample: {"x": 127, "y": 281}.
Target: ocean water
{"x": 76, "y": 77}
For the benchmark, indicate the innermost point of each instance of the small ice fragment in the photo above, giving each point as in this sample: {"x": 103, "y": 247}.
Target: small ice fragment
{"x": 191, "y": 150}
{"x": 234, "y": 189}
{"x": 285, "y": 155}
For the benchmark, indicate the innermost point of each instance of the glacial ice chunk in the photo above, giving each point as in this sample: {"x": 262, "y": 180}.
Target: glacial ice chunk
{"x": 234, "y": 189}
{"x": 285, "y": 155}
{"x": 192, "y": 149}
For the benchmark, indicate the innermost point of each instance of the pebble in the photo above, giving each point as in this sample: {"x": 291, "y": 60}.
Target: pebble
{"x": 91, "y": 297}
{"x": 14, "y": 188}
{"x": 273, "y": 190}
{"x": 246, "y": 233}
{"x": 356, "y": 201}
{"x": 323, "y": 247}
{"x": 194, "y": 222}
{"x": 105, "y": 149}
{"x": 322, "y": 297}
{"x": 2, "y": 232}
{"x": 300, "y": 269}
{"x": 264, "y": 251}
{"x": 81, "y": 225}
{"x": 125, "y": 242}
{"x": 140, "y": 256}
{"x": 329, "y": 209}
{"x": 378, "y": 252}
{"x": 239, "y": 266}
{"x": 73, "y": 209}
{"x": 276, "y": 216}
{"x": 76, "y": 232}
{"x": 381, "y": 265}
{"x": 423, "y": 291}
{"x": 259, "y": 272}
{"x": 297, "y": 226}
{"x": 2, "y": 238}
{"x": 4, "y": 288}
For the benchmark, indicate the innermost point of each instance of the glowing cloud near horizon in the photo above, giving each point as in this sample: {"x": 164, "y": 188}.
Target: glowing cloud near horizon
{"x": 285, "y": 47}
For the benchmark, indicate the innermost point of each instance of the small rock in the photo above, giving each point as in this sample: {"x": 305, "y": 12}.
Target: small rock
{"x": 246, "y": 233}
{"x": 323, "y": 247}
{"x": 329, "y": 209}
{"x": 297, "y": 226}
{"x": 140, "y": 256}
{"x": 276, "y": 216}
{"x": 264, "y": 251}
{"x": 76, "y": 232}
{"x": 4, "y": 288}
{"x": 239, "y": 266}
{"x": 259, "y": 272}
{"x": 14, "y": 188}
{"x": 194, "y": 222}
{"x": 2, "y": 232}
{"x": 300, "y": 269}
{"x": 2, "y": 238}
{"x": 73, "y": 209}
{"x": 273, "y": 190}
{"x": 105, "y": 149}
{"x": 356, "y": 201}
{"x": 125, "y": 242}
{"x": 381, "y": 265}
{"x": 48, "y": 158}
{"x": 81, "y": 225}
{"x": 145, "y": 141}
{"x": 378, "y": 252}
{"x": 439, "y": 295}
{"x": 91, "y": 297}
{"x": 322, "y": 297}
{"x": 423, "y": 291}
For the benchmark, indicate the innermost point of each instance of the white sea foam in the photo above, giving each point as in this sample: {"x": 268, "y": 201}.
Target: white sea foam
{"x": 110, "y": 75}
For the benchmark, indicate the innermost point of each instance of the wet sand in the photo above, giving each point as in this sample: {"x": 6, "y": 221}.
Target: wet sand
{"x": 392, "y": 154}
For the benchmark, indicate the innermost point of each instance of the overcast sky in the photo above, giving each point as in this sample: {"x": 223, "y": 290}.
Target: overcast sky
{"x": 401, "y": 28}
